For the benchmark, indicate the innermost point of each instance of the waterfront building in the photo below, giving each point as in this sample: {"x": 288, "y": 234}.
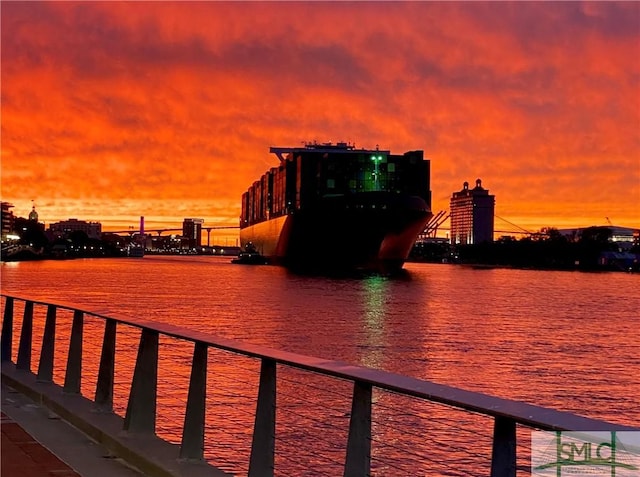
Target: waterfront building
{"x": 623, "y": 237}
{"x": 472, "y": 215}
{"x": 7, "y": 220}
{"x": 63, "y": 228}
{"x": 192, "y": 230}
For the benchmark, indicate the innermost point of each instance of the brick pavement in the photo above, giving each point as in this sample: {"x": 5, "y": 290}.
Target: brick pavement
{"x": 22, "y": 456}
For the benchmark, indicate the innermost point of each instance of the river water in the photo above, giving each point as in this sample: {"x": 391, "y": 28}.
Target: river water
{"x": 567, "y": 340}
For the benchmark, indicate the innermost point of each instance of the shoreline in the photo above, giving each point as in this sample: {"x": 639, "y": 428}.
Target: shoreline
{"x": 30, "y": 257}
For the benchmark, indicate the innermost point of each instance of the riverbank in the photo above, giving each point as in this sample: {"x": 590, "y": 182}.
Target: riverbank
{"x": 31, "y": 254}
{"x": 560, "y": 255}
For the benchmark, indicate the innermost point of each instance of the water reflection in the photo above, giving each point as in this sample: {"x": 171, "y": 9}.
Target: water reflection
{"x": 559, "y": 339}
{"x": 375, "y": 289}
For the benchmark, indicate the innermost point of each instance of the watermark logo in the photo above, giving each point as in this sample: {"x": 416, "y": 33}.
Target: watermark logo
{"x": 572, "y": 454}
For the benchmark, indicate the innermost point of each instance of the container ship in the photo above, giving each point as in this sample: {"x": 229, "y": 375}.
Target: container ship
{"x": 331, "y": 207}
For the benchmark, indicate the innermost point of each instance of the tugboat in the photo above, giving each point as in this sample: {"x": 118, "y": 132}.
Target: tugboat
{"x": 249, "y": 256}
{"x": 135, "y": 251}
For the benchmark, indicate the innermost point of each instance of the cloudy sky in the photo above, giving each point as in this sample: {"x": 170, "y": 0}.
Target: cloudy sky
{"x": 113, "y": 110}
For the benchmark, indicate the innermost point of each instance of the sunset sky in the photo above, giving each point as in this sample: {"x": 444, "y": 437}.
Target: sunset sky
{"x": 113, "y": 110}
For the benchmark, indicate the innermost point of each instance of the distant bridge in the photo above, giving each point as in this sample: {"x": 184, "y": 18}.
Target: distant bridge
{"x": 133, "y": 231}
{"x": 159, "y": 231}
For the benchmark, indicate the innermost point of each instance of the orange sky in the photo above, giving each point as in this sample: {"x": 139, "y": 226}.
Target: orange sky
{"x": 113, "y": 110}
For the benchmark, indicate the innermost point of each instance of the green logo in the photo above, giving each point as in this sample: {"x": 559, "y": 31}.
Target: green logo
{"x": 610, "y": 453}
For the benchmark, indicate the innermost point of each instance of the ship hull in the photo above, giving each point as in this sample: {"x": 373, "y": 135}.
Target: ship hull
{"x": 368, "y": 232}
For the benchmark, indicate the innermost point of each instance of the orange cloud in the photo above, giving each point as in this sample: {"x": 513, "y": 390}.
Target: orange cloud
{"x": 115, "y": 110}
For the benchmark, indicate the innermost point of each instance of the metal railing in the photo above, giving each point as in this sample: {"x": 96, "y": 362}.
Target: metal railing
{"x": 140, "y": 416}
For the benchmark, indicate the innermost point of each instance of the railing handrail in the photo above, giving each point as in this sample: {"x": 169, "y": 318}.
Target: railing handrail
{"x": 522, "y": 413}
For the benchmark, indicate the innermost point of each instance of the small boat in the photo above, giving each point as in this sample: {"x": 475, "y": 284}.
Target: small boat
{"x": 249, "y": 256}
{"x": 134, "y": 251}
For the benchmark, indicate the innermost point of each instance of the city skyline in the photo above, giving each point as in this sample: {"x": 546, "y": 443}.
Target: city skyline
{"x": 111, "y": 111}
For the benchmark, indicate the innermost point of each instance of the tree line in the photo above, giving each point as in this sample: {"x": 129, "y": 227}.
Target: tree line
{"x": 593, "y": 249}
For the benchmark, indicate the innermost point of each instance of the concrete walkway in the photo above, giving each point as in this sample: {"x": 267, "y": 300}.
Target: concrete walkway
{"x": 36, "y": 443}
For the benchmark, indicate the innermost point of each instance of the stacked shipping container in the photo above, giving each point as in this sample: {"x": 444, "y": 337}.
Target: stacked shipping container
{"x": 306, "y": 175}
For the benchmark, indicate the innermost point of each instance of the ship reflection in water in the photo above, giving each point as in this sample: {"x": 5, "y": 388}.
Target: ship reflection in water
{"x": 332, "y": 207}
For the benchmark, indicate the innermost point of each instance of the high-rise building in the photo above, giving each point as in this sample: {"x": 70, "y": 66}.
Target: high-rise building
{"x": 7, "y": 220}
{"x": 192, "y": 230}
{"x": 472, "y": 215}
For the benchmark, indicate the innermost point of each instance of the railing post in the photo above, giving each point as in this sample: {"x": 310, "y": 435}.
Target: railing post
{"x": 193, "y": 431}
{"x": 358, "y": 460}
{"x": 141, "y": 408}
{"x": 26, "y": 336}
{"x": 263, "y": 445}
{"x": 73, "y": 375}
{"x": 104, "y": 387}
{"x": 503, "y": 456}
{"x": 47, "y": 352}
{"x": 7, "y": 331}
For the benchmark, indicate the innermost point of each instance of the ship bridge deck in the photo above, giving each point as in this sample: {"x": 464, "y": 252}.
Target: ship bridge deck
{"x": 327, "y": 147}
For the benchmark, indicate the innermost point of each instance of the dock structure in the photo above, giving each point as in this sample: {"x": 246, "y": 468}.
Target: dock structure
{"x": 131, "y": 432}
